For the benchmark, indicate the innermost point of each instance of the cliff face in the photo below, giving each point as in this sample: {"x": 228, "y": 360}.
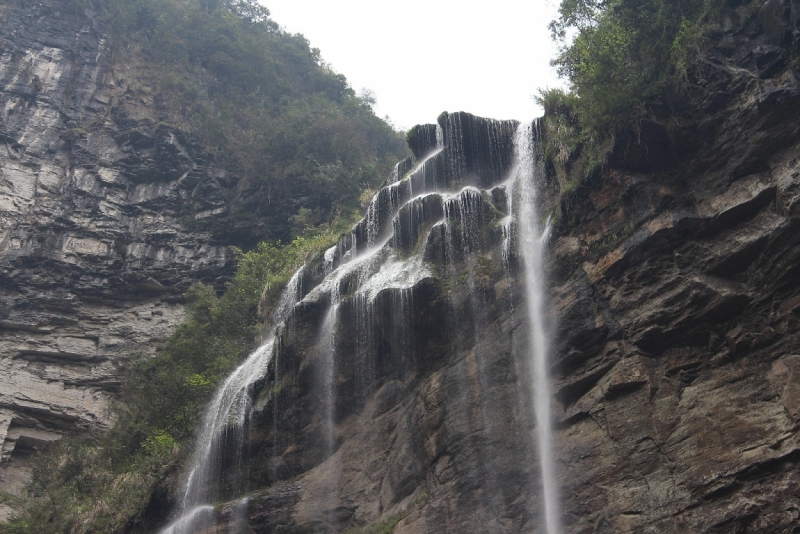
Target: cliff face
{"x": 677, "y": 362}
{"x": 675, "y": 292}
{"x": 675, "y": 375}
{"x": 94, "y": 254}
{"x": 398, "y": 381}
{"x": 677, "y": 299}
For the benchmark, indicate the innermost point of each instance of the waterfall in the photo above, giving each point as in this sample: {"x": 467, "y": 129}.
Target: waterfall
{"x": 437, "y": 218}
{"x": 532, "y": 239}
{"x": 226, "y": 417}
{"x": 193, "y": 520}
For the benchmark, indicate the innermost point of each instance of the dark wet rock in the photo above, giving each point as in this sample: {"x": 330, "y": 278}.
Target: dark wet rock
{"x": 675, "y": 288}
{"x": 769, "y": 59}
{"x": 480, "y": 151}
{"x": 685, "y": 416}
{"x": 422, "y": 140}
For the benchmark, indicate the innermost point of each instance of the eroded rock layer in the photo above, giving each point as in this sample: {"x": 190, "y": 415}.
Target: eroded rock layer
{"x": 93, "y": 255}
{"x": 677, "y": 300}
{"x": 675, "y": 292}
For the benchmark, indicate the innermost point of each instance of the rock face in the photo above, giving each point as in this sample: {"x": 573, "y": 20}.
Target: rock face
{"x": 94, "y": 256}
{"x": 396, "y": 379}
{"x": 676, "y": 296}
{"x": 675, "y": 291}
{"x": 676, "y": 359}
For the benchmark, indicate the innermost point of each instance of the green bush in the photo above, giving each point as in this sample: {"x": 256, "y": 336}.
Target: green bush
{"x": 622, "y": 57}
{"x": 625, "y": 61}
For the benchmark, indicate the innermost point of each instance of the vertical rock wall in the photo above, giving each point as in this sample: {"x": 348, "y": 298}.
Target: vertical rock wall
{"x": 677, "y": 296}
{"x": 93, "y": 254}
{"x": 675, "y": 288}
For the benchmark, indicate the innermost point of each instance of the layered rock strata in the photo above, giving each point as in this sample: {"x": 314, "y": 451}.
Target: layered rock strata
{"x": 676, "y": 370}
{"x": 675, "y": 292}
{"x": 94, "y": 252}
{"x": 677, "y": 298}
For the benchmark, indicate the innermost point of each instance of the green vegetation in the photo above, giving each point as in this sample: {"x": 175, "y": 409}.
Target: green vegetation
{"x": 627, "y": 56}
{"x": 104, "y": 482}
{"x": 8, "y": 498}
{"x": 626, "y": 61}
{"x": 290, "y": 131}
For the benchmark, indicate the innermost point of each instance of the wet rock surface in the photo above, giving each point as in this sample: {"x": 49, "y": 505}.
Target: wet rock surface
{"x": 94, "y": 255}
{"x": 397, "y": 392}
{"x": 676, "y": 300}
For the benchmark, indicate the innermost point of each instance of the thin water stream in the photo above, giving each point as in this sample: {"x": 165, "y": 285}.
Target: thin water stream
{"x": 226, "y": 416}
{"x": 532, "y": 240}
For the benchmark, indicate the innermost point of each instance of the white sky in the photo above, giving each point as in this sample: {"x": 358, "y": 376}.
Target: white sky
{"x": 424, "y": 57}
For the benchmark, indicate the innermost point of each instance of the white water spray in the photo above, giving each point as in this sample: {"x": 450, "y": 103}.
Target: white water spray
{"x": 532, "y": 241}
{"x": 193, "y": 520}
{"x": 226, "y": 415}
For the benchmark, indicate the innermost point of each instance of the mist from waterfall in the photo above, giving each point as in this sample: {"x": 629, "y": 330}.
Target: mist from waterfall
{"x": 532, "y": 235}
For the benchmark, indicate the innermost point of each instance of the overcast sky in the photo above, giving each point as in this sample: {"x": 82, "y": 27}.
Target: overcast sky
{"x": 420, "y": 58}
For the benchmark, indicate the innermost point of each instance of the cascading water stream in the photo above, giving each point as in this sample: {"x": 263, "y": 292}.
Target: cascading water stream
{"x": 532, "y": 239}
{"x": 433, "y": 213}
{"x": 226, "y": 416}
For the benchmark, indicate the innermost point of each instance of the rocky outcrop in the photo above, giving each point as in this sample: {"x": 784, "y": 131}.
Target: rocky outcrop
{"x": 676, "y": 302}
{"x": 95, "y": 252}
{"x": 677, "y": 350}
{"x": 677, "y": 297}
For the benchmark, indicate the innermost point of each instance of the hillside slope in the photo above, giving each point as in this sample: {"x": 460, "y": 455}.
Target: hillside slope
{"x": 114, "y": 199}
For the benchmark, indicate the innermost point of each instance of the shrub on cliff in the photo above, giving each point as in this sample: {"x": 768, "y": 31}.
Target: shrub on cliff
{"x": 625, "y": 61}
{"x": 622, "y": 58}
